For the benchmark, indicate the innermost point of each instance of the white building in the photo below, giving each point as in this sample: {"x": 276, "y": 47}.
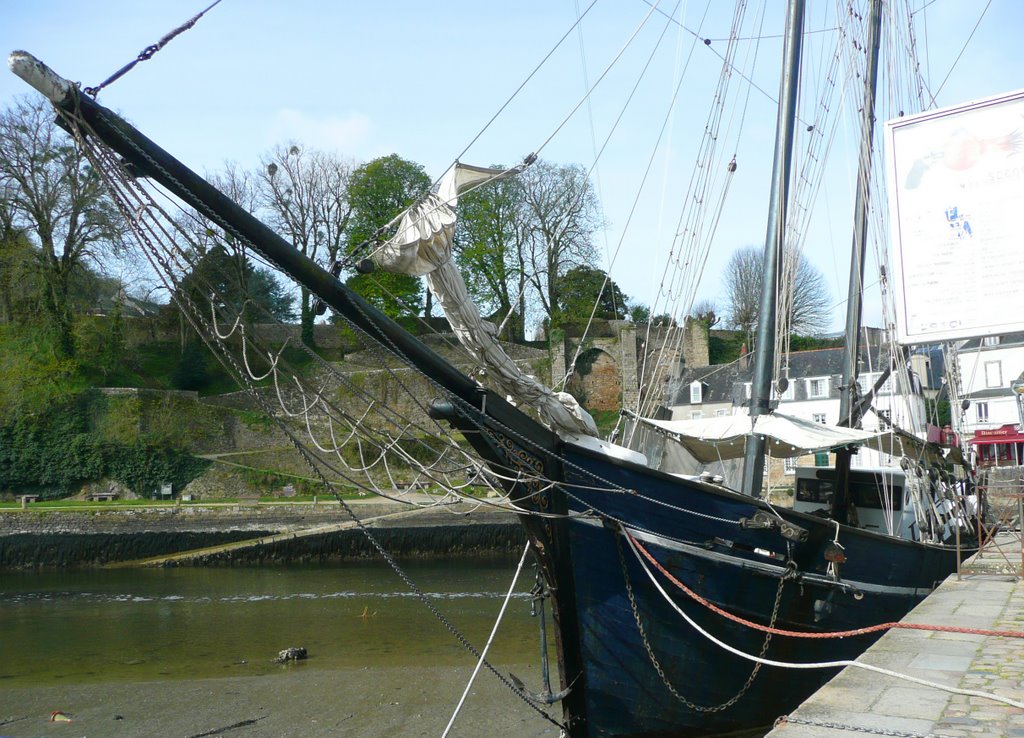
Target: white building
{"x": 812, "y": 393}
{"x": 991, "y": 423}
{"x": 988, "y": 366}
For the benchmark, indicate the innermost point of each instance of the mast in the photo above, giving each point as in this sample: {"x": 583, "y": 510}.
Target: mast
{"x": 848, "y": 414}
{"x": 764, "y": 359}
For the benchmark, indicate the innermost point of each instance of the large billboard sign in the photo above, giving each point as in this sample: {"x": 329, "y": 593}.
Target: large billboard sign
{"x": 956, "y": 206}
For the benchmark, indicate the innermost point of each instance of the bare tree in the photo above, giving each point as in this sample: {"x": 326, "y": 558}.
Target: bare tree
{"x": 306, "y": 194}
{"x": 560, "y": 214}
{"x": 810, "y": 305}
{"x": 58, "y": 202}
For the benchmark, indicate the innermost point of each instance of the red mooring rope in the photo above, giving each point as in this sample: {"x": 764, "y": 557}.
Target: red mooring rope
{"x": 800, "y": 634}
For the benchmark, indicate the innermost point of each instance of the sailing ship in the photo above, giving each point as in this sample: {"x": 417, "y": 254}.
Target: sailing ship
{"x": 670, "y": 595}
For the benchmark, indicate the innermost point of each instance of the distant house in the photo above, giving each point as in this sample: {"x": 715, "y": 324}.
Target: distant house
{"x": 988, "y": 368}
{"x": 811, "y": 392}
{"x": 131, "y": 307}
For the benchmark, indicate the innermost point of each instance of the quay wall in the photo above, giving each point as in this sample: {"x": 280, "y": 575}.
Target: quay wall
{"x": 45, "y": 539}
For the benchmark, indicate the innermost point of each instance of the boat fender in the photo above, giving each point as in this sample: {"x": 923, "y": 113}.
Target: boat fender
{"x": 835, "y": 553}
{"x": 440, "y": 409}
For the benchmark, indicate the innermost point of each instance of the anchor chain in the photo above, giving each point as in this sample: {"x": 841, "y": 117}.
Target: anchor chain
{"x": 657, "y": 665}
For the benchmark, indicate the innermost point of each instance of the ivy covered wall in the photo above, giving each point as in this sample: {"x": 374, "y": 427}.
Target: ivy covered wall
{"x": 136, "y": 440}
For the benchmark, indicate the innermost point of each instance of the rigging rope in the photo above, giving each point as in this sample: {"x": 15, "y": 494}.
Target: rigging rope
{"x": 490, "y": 640}
{"x": 147, "y": 53}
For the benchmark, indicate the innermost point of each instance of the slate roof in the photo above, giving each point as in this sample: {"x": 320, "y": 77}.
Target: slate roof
{"x": 1005, "y": 340}
{"x": 724, "y": 382}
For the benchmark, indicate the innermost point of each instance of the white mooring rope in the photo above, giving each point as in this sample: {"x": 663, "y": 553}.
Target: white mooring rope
{"x": 812, "y": 665}
{"x": 490, "y": 639}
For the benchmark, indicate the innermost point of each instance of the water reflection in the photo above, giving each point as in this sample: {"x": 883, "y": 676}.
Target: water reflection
{"x": 98, "y": 625}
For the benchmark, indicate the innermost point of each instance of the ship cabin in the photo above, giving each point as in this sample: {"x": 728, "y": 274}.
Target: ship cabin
{"x": 882, "y": 497}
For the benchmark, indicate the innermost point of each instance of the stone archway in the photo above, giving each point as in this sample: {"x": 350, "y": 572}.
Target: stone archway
{"x": 597, "y": 380}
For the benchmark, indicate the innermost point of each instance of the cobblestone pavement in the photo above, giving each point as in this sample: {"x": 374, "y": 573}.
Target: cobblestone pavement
{"x": 857, "y": 701}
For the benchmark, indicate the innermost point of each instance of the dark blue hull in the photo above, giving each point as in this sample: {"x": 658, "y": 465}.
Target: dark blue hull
{"x": 693, "y": 531}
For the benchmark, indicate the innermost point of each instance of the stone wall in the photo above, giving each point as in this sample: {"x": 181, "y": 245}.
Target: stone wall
{"x": 609, "y": 364}
{"x": 53, "y": 538}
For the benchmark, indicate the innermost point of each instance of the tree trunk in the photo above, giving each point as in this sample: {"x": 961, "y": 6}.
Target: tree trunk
{"x": 61, "y": 319}
{"x": 307, "y": 333}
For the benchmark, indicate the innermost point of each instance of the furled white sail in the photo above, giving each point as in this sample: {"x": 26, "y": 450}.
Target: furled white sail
{"x": 423, "y": 246}
{"x": 715, "y": 439}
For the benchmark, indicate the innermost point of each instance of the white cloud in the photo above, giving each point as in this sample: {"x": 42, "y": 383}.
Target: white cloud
{"x": 348, "y": 135}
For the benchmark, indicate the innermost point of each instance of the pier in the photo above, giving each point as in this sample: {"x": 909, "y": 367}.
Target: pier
{"x": 989, "y": 595}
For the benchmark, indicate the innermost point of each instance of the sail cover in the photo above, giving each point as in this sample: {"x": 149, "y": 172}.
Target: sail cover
{"x": 424, "y": 238}
{"x": 714, "y": 439}
{"x": 423, "y": 246}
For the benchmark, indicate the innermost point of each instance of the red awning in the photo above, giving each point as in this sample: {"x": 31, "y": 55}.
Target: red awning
{"x": 1008, "y": 433}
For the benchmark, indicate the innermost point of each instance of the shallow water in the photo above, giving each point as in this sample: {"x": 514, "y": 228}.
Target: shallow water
{"x": 81, "y": 626}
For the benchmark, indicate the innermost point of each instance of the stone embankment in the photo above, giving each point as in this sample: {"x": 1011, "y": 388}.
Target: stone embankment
{"x": 43, "y": 537}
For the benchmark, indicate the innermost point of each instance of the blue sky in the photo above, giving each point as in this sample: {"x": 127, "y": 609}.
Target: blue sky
{"x": 422, "y": 79}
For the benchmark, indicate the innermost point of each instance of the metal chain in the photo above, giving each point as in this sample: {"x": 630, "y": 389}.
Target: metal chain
{"x": 654, "y": 659}
{"x": 854, "y": 728}
{"x": 202, "y": 327}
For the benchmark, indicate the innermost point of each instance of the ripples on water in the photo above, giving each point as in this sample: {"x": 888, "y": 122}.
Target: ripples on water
{"x": 98, "y": 625}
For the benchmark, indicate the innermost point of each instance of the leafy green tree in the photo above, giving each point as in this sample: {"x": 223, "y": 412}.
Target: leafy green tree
{"x": 112, "y": 352}
{"x": 583, "y": 291}
{"x": 58, "y": 202}
{"x": 229, "y": 283}
{"x": 378, "y": 191}
{"x": 191, "y": 372}
{"x": 268, "y": 297}
{"x": 490, "y": 251}
{"x": 639, "y": 313}
{"x": 20, "y": 279}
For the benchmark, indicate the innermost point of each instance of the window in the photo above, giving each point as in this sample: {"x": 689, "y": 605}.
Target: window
{"x": 990, "y": 341}
{"x": 866, "y": 382}
{"x": 982, "y": 409}
{"x": 821, "y": 458}
{"x": 819, "y": 418}
{"x": 789, "y": 465}
{"x": 696, "y": 415}
{"x": 696, "y": 393}
{"x": 721, "y": 413}
{"x": 993, "y": 374}
{"x": 817, "y": 387}
{"x": 746, "y": 390}
{"x": 887, "y": 415}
